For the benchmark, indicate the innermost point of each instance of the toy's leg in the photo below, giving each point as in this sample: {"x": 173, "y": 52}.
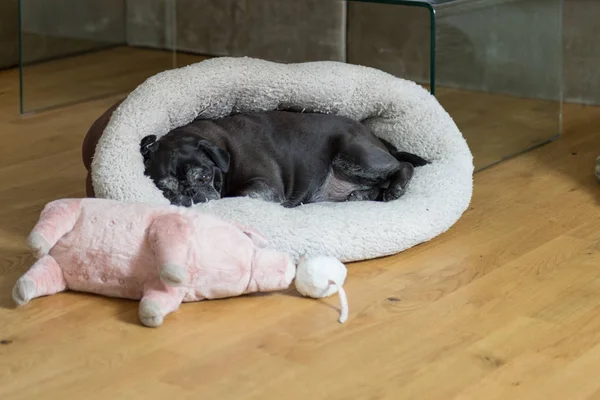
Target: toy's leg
{"x": 44, "y": 278}
{"x": 169, "y": 238}
{"x": 271, "y": 270}
{"x": 56, "y": 220}
{"x": 158, "y": 303}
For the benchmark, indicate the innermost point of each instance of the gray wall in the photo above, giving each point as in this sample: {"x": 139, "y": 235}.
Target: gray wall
{"x": 9, "y": 33}
{"x": 291, "y": 30}
{"x": 75, "y": 26}
{"x": 582, "y": 51}
{"x": 149, "y": 23}
{"x": 510, "y": 47}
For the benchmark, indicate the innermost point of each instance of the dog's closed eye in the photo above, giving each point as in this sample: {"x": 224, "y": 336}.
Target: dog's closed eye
{"x": 200, "y": 175}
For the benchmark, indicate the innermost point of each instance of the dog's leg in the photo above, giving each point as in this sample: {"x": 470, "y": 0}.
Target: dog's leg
{"x": 365, "y": 167}
{"x": 258, "y": 189}
{"x": 377, "y": 172}
{"x": 399, "y": 181}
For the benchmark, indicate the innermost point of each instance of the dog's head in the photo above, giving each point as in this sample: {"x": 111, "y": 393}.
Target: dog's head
{"x": 186, "y": 168}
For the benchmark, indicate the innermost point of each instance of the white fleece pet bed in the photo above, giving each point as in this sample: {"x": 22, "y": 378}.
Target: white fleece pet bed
{"x": 394, "y": 109}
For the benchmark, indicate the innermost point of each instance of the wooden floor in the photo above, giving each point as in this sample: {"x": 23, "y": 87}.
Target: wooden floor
{"x": 498, "y": 127}
{"x": 94, "y": 74}
{"x": 504, "y": 305}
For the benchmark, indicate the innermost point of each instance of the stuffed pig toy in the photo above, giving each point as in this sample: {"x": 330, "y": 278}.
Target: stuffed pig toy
{"x": 163, "y": 255}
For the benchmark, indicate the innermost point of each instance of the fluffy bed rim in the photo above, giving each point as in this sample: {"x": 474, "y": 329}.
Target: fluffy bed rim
{"x": 395, "y": 109}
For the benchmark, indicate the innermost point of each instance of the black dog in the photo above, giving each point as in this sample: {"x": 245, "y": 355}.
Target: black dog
{"x": 280, "y": 156}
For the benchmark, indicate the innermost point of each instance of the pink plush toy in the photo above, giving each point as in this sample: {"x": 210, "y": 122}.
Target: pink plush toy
{"x": 163, "y": 255}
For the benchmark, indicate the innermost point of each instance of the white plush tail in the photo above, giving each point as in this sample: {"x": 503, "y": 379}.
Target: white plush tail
{"x": 344, "y": 309}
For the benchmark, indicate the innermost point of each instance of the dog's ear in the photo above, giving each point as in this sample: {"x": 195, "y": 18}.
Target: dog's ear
{"x": 414, "y": 159}
{"x": 403, "y": 156}
{"x": 217, "y": 155}
{"x": 148, "y": 145}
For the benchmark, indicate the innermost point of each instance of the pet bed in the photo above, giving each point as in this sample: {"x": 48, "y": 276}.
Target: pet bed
{"x": 397, "y": 110}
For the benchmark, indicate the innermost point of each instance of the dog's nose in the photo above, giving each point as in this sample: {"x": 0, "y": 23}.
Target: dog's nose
{"x": 200, "y": 198}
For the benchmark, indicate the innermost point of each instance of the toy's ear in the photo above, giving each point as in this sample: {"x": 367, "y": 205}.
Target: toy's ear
{"x": 258, "y": 239}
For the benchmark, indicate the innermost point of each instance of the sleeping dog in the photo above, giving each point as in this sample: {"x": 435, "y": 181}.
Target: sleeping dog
{"x": 279, "y": 156}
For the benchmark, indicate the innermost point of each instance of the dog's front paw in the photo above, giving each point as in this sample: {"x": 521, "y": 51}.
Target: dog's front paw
{"x": 289, "y": 204}
{"x": 150, "y": 314}
{"x": 399, "y": 182}
{"x": 23, "y": 291}
{"x": 392, "y": 193}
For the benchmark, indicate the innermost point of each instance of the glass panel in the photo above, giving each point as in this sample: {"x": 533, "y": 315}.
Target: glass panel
{"x": 9, "y": 28}
{"x": 393, "y": 38}
{"x": 499, "y": 73}
{"x": 495, "y": 65}
{"x": 89, "y": 48}
{"x": 276, "y": 30}
{"x": 582, "y": 53}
